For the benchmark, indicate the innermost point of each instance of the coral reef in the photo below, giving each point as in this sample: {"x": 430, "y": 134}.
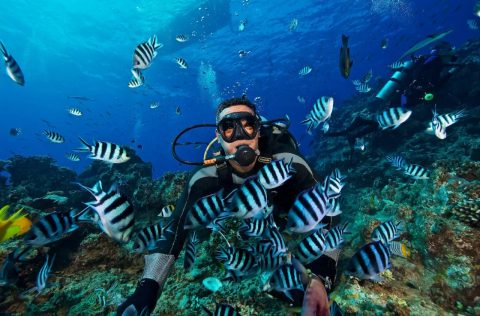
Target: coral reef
{"x": 440, "y": 217}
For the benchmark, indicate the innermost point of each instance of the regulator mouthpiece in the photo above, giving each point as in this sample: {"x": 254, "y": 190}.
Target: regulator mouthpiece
{"x": 245, "y": 155}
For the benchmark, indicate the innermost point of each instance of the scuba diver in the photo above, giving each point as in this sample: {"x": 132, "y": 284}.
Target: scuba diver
{"x": 417, "y": 79}
{"x": 413, "y": 83}
{"x": 247, "y": 144}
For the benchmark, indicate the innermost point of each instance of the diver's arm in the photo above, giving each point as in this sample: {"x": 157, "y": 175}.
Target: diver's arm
{"x": 158, "y": 266}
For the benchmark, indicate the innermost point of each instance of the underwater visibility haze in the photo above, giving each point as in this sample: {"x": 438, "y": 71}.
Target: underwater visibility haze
{"x": 336, "y": 165}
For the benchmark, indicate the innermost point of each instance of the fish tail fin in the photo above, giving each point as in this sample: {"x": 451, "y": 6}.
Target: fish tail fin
{"x": 86, "y": 146}
{"x": 461, "y": 113}
{"x": 344, "y": 40}
{"x": 310, "y": 125}
{"x": 3, "y": 50}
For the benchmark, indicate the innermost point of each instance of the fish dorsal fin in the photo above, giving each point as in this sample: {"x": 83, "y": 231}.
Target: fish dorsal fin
{"x": 113, "y": 188}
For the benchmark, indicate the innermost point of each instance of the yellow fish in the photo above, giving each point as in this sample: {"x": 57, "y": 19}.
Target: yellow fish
{"x": 14, "y": 225}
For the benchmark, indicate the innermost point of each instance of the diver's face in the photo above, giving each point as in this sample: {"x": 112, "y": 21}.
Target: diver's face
{"x": 231, "y": 148}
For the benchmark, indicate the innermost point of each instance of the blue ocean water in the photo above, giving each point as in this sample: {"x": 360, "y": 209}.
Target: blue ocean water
{"x": 84, "y": 48}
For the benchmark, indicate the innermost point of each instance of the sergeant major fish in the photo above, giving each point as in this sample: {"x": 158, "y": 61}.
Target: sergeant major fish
{"x": 145, "y": 53}
{"x": 369, "y": 261}
{"x": 206, "y": 210}
{"x": 181, "y": 38}
{"x": 75, "y": 112}
{"x": 72, "y": 157}
{"x": 137, "y": 79}
{"x": 150, "y": 237}
{"x": 54, "y": 137}
{"x": 104, "y": 151}
{"x": 275, "y": 173}
{"x": 285, "y": 279}
{"x": 322, "y": 110}
{"x": 393, "y": 118}
{"x": 190, "y": 252}
{"x": 113, "y": 212}
{"x": 446, "y": 120}
{"x": 12, "y": 67}
{"x": 308, "y": 209}
{"x": 53, "y": 227}
{"x": 181, "y": 62}
{"x": 305, "y": 71}
{"x": 240, "y": 260}
{"x": 249, "y": 200}
{"x": 345, "y": 62}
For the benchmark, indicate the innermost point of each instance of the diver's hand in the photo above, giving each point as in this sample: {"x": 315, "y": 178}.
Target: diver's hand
{"x": 142, "y": 301}
{"x": 315, "y": 301}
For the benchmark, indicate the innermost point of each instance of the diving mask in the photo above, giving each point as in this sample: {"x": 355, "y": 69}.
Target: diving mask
{"x": 238, "y": 126}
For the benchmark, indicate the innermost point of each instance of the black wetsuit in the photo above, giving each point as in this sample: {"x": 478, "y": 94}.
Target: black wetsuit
{"x": 211, "y": 179}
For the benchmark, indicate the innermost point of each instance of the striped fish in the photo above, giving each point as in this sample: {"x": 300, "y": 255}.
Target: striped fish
{"x": 43, "y": 274}
{"x": 8, "y": 270}
{"x": 446, "y": 119}
{"x": 75, "y": 112}
{"x": 145, "y": 53}
{"x": 387, "y": 231}
{"x": 72, "y": 157}
{"x": 54, "y": 137}
{"x": 398, "y": 249}
{"x": 222, "y": 310}
{"x": 12, "y": 67}
{"x": 334, "y": 237}
{"x": 398, "y": 162}
{"x": 150, "y": 237}
{"x": 305, "y": 71}
{"x": 104, "y": 151}
{"x": 335, "y": 207}
{"x": 181, "y": 62}
{"x": 322, "y": 110}
{"x": 369, "y": 261}
{"x": 311, "y": 247}
{"x": 333, "y": 187}
{"x": 363, "y": 88}
{"x": 206, "y": 210}
{"x": 275, "y": 173}
{"x": 167, "y": 211}
{"x": 252, "y": 228}
{"x": 190, "y": 252}
{"x": 239, "y": 260}
{"x": 393, "y": 118}
{"x": 259, "y": 248}
{"x": 249, "y": 200}
{"x": 113, "y": 212}
{"x": 276, "y": 239}
{"x": 53, "y": 227}
{"x": 181, "y": 38}
{"x": 397, "y": 65}
{"x": 285, "y": 279}
{"x": 137, "y": 79}
{"x": 309, "y": 208}
{"x": 417, "y": 172}
{"x": 269, "y": 261}
{"x": 356, "y": 82}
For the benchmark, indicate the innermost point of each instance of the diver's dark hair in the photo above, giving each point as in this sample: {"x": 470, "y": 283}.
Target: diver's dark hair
{"x": 235, "y": 101}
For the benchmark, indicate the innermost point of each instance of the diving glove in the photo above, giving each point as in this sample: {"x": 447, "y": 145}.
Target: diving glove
{"x": 143, "y": 300}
